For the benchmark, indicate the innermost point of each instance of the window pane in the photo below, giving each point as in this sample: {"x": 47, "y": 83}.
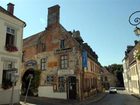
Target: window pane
{"x": 50, "y": 79}
{"x": 64, "y": 61}
{"x": 43, "y": 64}
{"x": 8, "y": 29}
{"x": 62, "y": 44}
{"x": 12, "y": 31}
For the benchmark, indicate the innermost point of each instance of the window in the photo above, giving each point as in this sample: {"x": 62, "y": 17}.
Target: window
{"x": 7, "y": 74}
{"x": 10, "y": 36}
{"x": 43, "y": 64}
{"x": 7, "y": 79}
{"x": 106, "y": 78}
{"x": 62, "y": 43}
{"x": 8, "y": 65}
{"x": 63, "y": 62}
{"x": 50, "y": 79}
{"x": 41, "y": 47}
{"x": 61, "y": 85}
{"x": 10, "y": 40}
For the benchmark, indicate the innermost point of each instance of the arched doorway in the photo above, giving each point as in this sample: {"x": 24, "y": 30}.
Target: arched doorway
{"x": 25, "y": 82}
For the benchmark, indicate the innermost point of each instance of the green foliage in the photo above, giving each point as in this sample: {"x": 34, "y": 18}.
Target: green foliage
{"x": 35, "y": 81}
{"x": 114, "y": 68}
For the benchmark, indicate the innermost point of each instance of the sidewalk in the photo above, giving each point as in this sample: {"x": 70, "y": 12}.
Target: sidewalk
{"x": 49, "y": 101}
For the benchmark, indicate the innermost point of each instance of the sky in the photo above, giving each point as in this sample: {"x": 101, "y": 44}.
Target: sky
{"x": 103, "y": 24}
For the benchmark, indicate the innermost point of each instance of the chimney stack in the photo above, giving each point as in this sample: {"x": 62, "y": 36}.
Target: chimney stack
{"x": 53, "y": 15}
{"x": 10, "y": 8}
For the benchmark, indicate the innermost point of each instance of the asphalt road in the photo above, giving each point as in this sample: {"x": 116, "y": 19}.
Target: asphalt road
{"x": 121, "y": 98}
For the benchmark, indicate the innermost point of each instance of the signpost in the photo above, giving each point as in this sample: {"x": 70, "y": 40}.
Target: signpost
{"x": 14, "y": 78}
{"x": 30, "y": 77}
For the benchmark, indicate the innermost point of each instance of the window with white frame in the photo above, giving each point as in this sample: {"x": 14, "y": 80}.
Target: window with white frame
{"x": 64, "y": 62}
{"x": 10, "y": 36}
{"x": 43, "y": 64}
{"x": 61, "y": 84}
{"x": 10, "y": 42}
{"x": 7, "y": 74}
{"x": 8, "y": 65}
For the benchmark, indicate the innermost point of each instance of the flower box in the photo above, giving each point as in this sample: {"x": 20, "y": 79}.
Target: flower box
{"x": 11, "y": 48}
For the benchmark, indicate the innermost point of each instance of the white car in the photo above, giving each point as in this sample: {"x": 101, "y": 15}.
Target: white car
{"x": 112, "y": 90}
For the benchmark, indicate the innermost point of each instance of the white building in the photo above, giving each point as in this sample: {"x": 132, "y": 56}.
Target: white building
{"x": 131, "y": 66}
{"x": 11, "y": 32}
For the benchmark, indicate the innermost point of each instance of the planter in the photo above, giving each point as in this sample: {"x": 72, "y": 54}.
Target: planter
{"x": 11, "y": 48}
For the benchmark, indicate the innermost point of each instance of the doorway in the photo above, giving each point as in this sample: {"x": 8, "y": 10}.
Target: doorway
{"x": 25, "y": 82}
{"x": 72, "y": 87}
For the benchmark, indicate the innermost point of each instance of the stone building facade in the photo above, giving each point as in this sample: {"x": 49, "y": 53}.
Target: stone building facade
{"x": 108, "y": 79}
{"x": 131, "y": 66}
{"x": 69, "y": 68}
{"x": 11, "y": 32}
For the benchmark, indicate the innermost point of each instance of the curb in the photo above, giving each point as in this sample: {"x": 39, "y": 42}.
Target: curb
{"x": 93, "y": 101}
{"x": 85, "y": 102}
{"x": 136, "y": 96}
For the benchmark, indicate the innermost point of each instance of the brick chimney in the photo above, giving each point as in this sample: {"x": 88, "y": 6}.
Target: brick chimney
{"x": 10, "y": 8}
{"x": 53, "y": 15}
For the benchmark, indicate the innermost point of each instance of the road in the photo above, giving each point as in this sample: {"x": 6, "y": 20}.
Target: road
{"x": 121, "y": 98}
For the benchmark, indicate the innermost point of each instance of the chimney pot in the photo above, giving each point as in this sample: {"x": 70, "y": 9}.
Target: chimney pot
{"x": 10, "y": 8}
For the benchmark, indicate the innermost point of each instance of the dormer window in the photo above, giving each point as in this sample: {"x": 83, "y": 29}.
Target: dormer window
{"x": 62, "y": 43}
{"x": 10, "y": 40}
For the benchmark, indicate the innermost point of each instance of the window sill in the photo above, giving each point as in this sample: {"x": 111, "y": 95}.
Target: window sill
{"x": 11, "y": 48}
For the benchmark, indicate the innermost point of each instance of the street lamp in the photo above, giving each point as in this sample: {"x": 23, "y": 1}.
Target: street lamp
{"x": 134, "y": 20}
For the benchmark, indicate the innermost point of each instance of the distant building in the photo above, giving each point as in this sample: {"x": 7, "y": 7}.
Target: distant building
{"x": 131, "y": 66}
{"x": 11, "y": 32}
{"x": 108, "y": 79}
{"x": 69, "y": 68}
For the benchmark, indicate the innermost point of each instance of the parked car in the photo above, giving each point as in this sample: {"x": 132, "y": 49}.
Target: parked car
{"x": 112, "y": 90}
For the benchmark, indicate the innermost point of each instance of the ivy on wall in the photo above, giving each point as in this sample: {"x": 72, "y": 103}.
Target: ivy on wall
{"x": 35, "y": 82}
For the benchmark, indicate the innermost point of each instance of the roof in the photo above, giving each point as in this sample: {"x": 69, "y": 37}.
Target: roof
{"x": 8, "y": 13}
{"x": 32, "y": 40}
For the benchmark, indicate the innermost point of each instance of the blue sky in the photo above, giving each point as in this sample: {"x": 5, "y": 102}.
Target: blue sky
{"x": 103, "y": 24}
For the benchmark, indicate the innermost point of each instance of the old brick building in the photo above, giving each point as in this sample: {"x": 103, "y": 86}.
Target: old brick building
{"x": 69, "y": 68}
